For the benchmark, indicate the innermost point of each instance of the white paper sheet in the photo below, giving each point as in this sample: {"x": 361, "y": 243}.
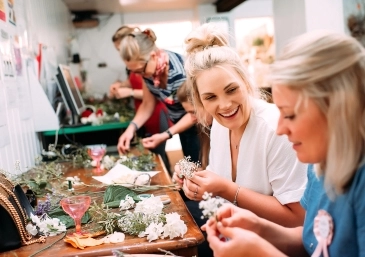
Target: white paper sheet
{"x": 120, "y": 170}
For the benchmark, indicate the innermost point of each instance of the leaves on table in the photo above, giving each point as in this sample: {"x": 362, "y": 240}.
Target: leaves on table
{"x": 114, "y": 194}
{"x": 59, "y": 213}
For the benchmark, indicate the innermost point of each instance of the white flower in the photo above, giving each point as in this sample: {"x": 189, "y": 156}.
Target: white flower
{"x": 210, "y": 205}
{"x": 174, "y": 226}
{"x": 32, "y": 229}
{"x": 127, "y": 203}
{"x": 152, "y": 205}
{"x": 45, "y": 226}
{"x": 116, "y": 237}
{"x": 107, "y": 162}
{"x": 154, "y": 231}
{"x": 34, "y": 219}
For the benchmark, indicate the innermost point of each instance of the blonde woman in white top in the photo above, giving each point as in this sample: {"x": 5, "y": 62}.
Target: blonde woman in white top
{"x": 249, "y": 164}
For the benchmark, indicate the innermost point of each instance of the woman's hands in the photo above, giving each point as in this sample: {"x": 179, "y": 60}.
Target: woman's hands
{"x": 120, "y": 89}
{"x": 125, "y": 140}
{"x": 202, "y": 181}
{"x": 240, "y": 242}
{"x": 123, "y": 92}
{"x": 232, "y": 216}
{"x": 242, "y": 229}
{"x": 154, "y": 140}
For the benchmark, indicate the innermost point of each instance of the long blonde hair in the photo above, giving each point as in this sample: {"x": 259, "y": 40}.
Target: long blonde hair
{"x": 138, "y": 45}
{"x": 329, "y": 68}
{"x": 207, "y": 47}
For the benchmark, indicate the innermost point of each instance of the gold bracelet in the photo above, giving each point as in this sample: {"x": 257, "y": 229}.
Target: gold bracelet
{"x": 235, "y": 197}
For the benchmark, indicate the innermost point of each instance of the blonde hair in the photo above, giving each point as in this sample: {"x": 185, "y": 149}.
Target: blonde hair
{"x": 122, "y": 32}
{"x": 207, "y": 47}
{"x": 329, "y": 68}
{"x": 138, "y": 45}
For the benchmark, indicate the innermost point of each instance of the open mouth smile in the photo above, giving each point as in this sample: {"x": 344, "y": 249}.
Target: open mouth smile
{"x": 230, "y": 114}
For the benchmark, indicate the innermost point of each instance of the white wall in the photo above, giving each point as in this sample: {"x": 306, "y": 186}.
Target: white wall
{"x": 325, "y": 14}
{"x": 41, "y": 21}
{"x": 289, "y": 20}
{"x": 97, "y": 47}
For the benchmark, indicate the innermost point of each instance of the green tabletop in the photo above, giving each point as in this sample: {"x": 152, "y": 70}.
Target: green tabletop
{"x": 87, "y": 128}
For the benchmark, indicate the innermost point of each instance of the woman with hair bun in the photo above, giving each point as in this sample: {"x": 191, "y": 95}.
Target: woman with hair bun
{"x": 319, "y": 87}
{"x": 249, "y": 165}
{"x": 132, "y": 87}
{"x": 163, "y": 73}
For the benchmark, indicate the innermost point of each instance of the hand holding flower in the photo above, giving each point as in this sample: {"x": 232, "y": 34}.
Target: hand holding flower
{"x": 203, "y": 181}
{"x": 241, "y": 242}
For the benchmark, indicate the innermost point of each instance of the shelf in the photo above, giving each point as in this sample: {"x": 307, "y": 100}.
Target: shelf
{"x": 87, "y": 128}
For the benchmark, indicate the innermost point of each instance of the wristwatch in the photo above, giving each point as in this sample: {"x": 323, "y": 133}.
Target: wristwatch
{"x": 169, "y": 133}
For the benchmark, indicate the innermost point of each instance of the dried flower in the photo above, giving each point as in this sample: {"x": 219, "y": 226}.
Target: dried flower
{"x": 187, "y": 167}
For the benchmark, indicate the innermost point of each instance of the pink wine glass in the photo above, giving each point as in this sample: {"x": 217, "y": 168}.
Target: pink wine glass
{"x": 76, "y": 206}
{"x": 96, "y": 152}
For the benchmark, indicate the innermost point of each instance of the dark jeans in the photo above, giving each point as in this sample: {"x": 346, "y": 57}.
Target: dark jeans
{"x": 160, "y": 149}
{"x": 190, "y": 143}
{"x": 193, "y": 207}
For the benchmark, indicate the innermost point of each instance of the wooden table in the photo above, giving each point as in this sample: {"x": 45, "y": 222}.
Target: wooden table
{"x": 186, "y": 246}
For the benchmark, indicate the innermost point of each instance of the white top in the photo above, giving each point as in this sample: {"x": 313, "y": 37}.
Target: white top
{"x": 266, "y": 162}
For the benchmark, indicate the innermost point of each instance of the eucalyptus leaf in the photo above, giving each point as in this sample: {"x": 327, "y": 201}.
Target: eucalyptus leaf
{"x": 114, "y": 194}
{"x": 59, "y": 213}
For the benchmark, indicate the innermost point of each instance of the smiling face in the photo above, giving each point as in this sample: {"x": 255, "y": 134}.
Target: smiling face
{"x": 223, "y": 95}
{"x": 305, "y": 125}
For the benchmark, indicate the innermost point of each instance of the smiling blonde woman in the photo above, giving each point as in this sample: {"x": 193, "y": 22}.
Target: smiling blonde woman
{"x": 249, "y": 164}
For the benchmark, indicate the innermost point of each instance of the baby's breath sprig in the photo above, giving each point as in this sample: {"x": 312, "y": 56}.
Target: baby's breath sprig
{"x": 188, "y": 167}
{"x": 210, "y": 205}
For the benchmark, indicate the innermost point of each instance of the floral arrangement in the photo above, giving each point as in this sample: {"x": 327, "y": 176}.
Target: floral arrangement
{"x": 142, "y": 162}
{"x": 147, "y": 219}
{"x": 109, "y": 110}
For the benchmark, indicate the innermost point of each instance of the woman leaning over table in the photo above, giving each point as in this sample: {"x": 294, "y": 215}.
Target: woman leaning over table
{"x": 132, "y": 87}
{"x": 163, "y": 73}
{"x": 248, "y": 163}
{"x": 319, "y": 87}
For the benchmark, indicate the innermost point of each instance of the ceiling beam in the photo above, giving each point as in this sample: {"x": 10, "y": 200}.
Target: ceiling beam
{"x": 227, "y": 5}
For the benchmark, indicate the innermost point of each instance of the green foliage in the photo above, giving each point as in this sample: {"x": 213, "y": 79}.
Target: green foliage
{"x": 143, "y": 162}
{"x": 38, "y": 177}
{"x": 102, "y": 215}
{"x": 112, "y": 106}
{"x": 114, "y": 194}
{"x": 258, "y": 41}
{"x": 66, "y": 219}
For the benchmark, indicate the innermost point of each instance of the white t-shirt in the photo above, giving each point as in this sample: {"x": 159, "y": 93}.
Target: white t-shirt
{"x": 266, "y": 162}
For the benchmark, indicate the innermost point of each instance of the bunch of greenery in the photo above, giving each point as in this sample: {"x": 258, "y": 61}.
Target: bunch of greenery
{"x": 143, "y": 162}
{"x": 112, "y": 106}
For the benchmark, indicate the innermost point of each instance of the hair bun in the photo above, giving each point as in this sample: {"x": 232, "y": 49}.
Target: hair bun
{"x": 150, "y": 34}
{"x": 206, "y": 36}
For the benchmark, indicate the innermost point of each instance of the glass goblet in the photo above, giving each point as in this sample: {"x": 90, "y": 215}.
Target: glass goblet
{"x": 96, "y": 152}
{"x": 76, "y": 206}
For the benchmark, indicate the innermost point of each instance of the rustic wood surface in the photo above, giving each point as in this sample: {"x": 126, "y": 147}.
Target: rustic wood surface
{"x": 186, "y": 246}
